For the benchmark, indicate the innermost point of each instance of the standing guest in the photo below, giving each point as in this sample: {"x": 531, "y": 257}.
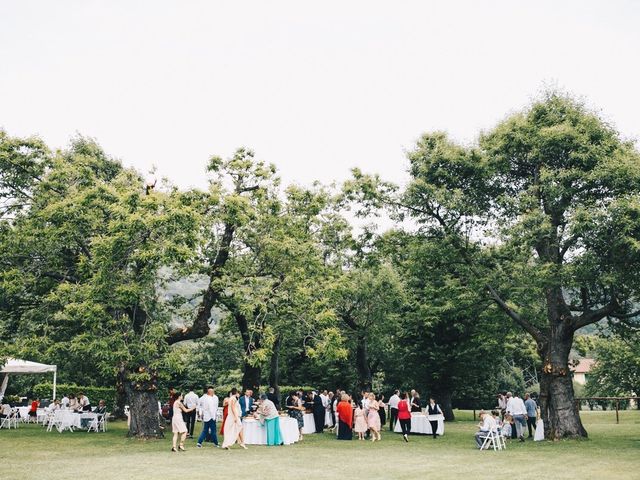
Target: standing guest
{"x": 246, "y": 403}
{"x": 516, "y": 408}
{"x": 269, "y": 412}
{"x": 532, "y": 412}
{"x": 273, "y": 397}
{"x": 233, "y": 423}
{"x": 382, "y": 411}
{"x": 373, "y": 418}
{"x": 404, "y": 415}
{"x": 191, "y": 402}
{"x": 296, "y": 411}
{"x": 487, "y": 423}
{"x": 64, "y": 403}
{"x": 415, "y": 403}
{"x": 329, "y": 420}
{"x": 344, "y": 412}
{"x": 33, "y": 411}
{"x": 208, "y": 410}
{"x": 178, "y": 427}
{"x": 360, "y": 425}
{"x": 502, "y": 404}
{"x": 172, "y": 399}
{"x": 434, "y": 409}
{"x": 393, "y": 409}
{"x": 318, "y": 412}
{"x": 225, "y": 412}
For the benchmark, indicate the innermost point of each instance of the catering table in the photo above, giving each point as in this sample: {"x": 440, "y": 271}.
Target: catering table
{"x": 67, "y": 420}
{"x": 255, "y": 433}
{"x": 309, "y": 424}
{"x": 420, "y": 424}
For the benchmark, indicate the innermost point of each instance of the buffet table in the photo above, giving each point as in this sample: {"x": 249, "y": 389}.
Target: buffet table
{"x": 420, "y": 424}
{"x": 255, "y": 433}
{"x": 309, "y": 424}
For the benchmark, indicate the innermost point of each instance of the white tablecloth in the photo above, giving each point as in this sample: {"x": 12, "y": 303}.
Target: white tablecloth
{"x": 309, "y": 424}
{"x": 255, "y": 433}
{"x": 420, "y": 424}
{"x": 327, "y": 419}
{"x": 63, "y": 419}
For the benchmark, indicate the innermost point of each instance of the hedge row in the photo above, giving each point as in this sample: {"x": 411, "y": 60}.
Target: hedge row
{"x": 45, "y": 390}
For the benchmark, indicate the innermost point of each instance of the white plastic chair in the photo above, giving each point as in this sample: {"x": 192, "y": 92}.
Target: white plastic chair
{"x": 98, "y": 424}
{"x": 492, "y": 439}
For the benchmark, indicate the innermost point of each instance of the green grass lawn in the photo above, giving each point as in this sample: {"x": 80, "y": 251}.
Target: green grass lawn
{"x": 612, "y": 451}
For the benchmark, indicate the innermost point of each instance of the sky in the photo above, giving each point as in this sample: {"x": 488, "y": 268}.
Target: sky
{"x": 315, "y": 87}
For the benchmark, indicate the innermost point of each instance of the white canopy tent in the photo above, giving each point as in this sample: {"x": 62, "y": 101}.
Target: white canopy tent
{"x": 13, "y": 366}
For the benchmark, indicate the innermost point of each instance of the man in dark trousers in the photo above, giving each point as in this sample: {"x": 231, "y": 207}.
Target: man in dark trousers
{"x": 273, "y": 397}
{"x": 318, "y": 412}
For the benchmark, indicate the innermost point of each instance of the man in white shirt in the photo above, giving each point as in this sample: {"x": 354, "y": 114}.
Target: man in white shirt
{"x": 190, "y": 401}
{"x": 209, "y": 411}
{"x": 488, "y": 424}
{"x": 64, "y": 402}
{"x": 516, "y": 408}
{"x": 393, "y": 409}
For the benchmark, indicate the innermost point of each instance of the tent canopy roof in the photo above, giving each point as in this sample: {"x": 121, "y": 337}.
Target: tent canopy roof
{"x": 13, "y": 365}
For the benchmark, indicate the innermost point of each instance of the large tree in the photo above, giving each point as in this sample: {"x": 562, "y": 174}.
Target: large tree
{"x": 552, "y": 196}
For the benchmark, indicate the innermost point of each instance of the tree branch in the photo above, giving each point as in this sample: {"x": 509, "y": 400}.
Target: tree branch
{"x": 528, "y": 327}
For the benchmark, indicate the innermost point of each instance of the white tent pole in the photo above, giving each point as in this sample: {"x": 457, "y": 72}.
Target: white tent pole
{"x": 55, "y": 372}
{"x": 3, "y": 387}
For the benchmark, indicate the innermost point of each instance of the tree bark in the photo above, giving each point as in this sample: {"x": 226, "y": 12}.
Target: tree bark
{"x": 362, "y": 362}
{"x": 251, "y": 376}
{"x": 444, "y": 400}
{"x": 274, "y": 371}
{"x": 557, "y": 401}
{"x": 143, "y": 410}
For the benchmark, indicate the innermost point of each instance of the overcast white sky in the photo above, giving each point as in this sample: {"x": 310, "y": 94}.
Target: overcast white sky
{"x": 314, "y": 87}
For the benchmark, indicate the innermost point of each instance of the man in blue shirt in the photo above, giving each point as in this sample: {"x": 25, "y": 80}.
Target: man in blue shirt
{"x": 532, "y": 412}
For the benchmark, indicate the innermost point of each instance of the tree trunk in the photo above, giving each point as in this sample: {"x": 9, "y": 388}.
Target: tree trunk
{"x": 251, "y": 377}
{"x": 444, "y": 400}
{"x": 362, "y": 363}
{"x": 144, "y": 418}
{"x": 557, "y": 402}
{"x": 274, "y": 371}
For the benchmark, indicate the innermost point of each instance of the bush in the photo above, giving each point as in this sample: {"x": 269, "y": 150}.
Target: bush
{"x": 109, "y": 395}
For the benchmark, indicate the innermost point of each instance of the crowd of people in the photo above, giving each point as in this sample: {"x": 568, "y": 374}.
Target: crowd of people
{"x": 509, "y": 418}
{"x": 364, "y": 414}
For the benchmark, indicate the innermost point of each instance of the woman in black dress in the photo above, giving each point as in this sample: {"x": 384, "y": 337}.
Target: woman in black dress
{"x": 296, "y": 410}
{"x": 383, "y": 409}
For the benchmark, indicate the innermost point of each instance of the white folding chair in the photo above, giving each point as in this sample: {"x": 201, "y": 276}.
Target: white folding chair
{"x": 492, "y": 439}
{"x": 6, "y": 422}
{"x": 98, "y": 424}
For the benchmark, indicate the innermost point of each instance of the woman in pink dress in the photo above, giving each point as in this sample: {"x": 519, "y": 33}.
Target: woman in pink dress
{"x": 178, "y": 427}
{"x": 373, "y": 418}
{"x": 360, "y": 422}
{"x": 233, "y": 423}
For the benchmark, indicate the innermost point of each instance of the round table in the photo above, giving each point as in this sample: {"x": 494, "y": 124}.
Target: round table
{"x": 420, "y": 424}
{"x": 255, "y": 433}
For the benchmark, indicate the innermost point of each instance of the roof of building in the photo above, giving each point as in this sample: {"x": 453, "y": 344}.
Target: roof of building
{"x": 584, "y": 365}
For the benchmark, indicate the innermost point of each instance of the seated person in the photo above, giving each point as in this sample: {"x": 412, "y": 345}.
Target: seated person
{"x": 85, "y": 404}
{"x": 5, "y": 411}
{"x": 507, "y": 426}
{"x": 73, "y": 403}
{"x": 487, "y": 423}
{"x": 101, "y": 409}
{"x": 33, "y": 411}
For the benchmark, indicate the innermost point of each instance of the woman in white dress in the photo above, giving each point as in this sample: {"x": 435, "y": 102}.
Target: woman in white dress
{"x": 178, "y": 427}
{"x": 233, "y": 423}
